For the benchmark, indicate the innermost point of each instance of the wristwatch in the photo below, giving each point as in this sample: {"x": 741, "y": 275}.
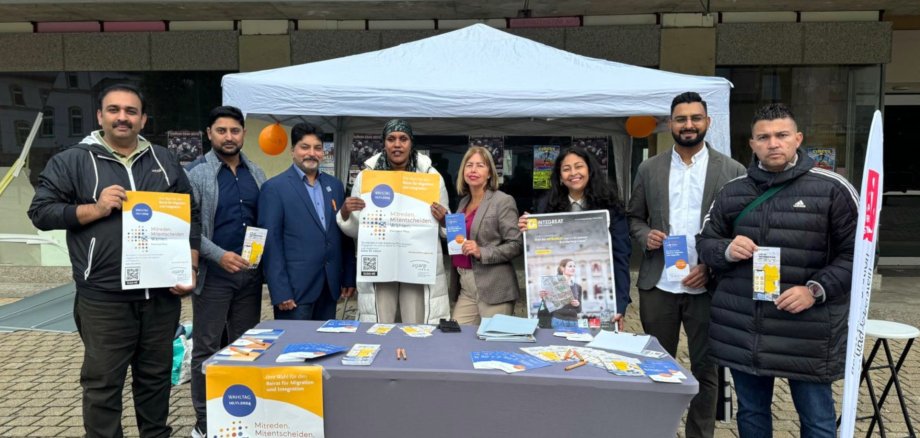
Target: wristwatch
{"x": 817, "y": 292}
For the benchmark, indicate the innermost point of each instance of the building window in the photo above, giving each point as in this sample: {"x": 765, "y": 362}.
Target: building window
{"x": 72, "y": 80}
{"x": 16, "y": 96}
{"x": 76, "y": 121}
{"x": 47, "y": 122}
{"x": 22, "y": 129}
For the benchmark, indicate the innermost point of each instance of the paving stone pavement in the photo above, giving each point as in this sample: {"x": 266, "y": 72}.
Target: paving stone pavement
{"x": 41, "y": 397}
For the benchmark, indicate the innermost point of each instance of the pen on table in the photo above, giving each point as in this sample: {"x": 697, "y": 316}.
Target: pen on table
{"x": 575, "y": 365}
{"x": 240, "y": 351}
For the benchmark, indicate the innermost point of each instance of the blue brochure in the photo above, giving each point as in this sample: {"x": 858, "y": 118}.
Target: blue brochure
{"x": 339, "y": 326}
{"x": 662, "y": 371}
{"x": 506, "y": 361}
{"x": 302, "y": 352}
{"x": 456, "y": 232}
{"x": 676, "y": 257}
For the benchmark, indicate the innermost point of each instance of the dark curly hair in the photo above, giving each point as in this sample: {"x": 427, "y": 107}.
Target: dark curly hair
{"x": 599, "y": 195}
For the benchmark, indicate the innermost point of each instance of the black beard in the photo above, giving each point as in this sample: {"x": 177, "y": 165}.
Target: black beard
{"x": 220, "y": 151}
{"x": 689, "y": 143}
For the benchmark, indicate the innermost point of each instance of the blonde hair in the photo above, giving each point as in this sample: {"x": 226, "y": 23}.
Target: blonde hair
{"x": 492, "y": 184}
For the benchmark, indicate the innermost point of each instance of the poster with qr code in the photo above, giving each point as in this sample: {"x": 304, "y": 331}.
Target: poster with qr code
{"x": 155, "y": 246}
{"x": 397, "y": 237}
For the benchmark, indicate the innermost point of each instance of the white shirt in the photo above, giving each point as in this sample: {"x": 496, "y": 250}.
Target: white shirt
{"x": 685, "y": 201}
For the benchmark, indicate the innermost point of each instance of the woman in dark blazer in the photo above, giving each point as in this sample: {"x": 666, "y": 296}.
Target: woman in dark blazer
{"x": 483, "y": 280}
{"x": 578, "y": 184}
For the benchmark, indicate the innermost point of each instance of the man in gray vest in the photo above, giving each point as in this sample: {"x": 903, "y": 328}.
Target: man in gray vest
{"x": 229, "y": 293}
{"x": 672, "y": 192}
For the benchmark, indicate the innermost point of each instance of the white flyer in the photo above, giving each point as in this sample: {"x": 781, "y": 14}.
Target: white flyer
{"x": 155, "y": 247}
{"x": 254, "y": 245}
{"x": 398, "y": 237}
{"x": 766, "y": 273}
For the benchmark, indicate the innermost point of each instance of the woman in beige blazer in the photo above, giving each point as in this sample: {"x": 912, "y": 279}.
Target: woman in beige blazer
{"x": 483, "y": 280}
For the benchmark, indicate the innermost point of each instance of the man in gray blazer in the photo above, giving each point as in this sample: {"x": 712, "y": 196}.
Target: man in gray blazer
{"x": 672, "y": 192}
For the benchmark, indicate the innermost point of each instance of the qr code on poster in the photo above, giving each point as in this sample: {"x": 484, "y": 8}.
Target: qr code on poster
{"x": 369, "y": 266}
{"x": 132, "y": 275}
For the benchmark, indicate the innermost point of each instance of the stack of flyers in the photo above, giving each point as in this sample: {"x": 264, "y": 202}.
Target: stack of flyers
{"x": 505, "y": 361}
{"x": 418, "y": 330}
{"x": 380, "y": 329}
{"x": 339, "y": 326}
{"x": 254, "y": 245}
{"x": 576, "y": 334}
{"x": 263, "y": 334}
{"x": 361, "y": 354}
{"x": 549, "y": 353}
{"x": 250, "y": 346}
{"x": 663, "y": 371}
{"x": 302, "y": 352}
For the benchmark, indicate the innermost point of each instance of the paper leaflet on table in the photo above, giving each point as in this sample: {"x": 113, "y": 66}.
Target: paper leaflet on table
{"x": 505, "y": 361}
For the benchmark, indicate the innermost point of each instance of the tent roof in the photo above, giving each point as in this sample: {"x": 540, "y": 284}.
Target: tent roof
{"x": 477, "y": 71}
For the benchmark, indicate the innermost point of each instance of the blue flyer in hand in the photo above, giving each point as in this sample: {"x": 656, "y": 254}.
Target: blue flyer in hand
{"x": 302, "y": 352}
{"x": 456, "y": 232}
{"x": 676, "y": 257}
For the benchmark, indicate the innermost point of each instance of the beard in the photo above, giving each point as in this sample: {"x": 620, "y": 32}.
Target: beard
{"x": 305, "y": 165}
{"x": 700, "y": 135}
{"x": 220, "y": 150}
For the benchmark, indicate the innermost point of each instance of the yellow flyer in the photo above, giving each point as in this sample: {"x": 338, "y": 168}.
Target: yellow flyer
{"x": 398, "y": 237}
{"x": 249, "y": 401}
{"x": 155, "y": 247}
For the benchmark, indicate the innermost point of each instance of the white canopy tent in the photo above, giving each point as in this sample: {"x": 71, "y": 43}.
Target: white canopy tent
{"x": 477, "y": 80}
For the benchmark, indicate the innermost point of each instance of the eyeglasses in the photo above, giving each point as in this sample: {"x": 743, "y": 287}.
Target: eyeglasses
{"x": 696, "y": 119}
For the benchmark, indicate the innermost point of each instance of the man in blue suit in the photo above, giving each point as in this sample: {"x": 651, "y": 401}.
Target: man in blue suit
{"x": 307, "y": 262}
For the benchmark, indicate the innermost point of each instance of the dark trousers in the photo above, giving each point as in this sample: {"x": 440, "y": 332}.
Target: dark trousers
{"x": 662, "y": 313}
{"x": 813, "y": 401}
{"x": 320, "y": 310}
{"x": 116, "y": 335}
{"x": 230, "y": 303}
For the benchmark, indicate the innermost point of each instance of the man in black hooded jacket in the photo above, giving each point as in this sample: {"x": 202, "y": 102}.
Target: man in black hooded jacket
{"x": 809, "y": 215}
{"x": 82, "y": 190}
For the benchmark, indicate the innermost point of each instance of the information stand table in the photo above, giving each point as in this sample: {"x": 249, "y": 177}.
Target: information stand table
{"x": 438, "y": 393}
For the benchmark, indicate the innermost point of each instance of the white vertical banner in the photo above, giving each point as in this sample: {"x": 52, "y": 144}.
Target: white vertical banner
{"x": 870, "y": 207}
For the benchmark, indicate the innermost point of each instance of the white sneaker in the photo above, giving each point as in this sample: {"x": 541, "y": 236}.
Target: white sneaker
{"x": 197, "y": 433}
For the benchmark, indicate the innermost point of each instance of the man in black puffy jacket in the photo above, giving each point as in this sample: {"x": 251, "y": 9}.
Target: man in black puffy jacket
{"x": 808, "y": 215}
{"x": 82, "y": 190}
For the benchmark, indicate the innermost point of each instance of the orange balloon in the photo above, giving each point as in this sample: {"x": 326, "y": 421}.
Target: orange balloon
{"x": 273, "y": 139}
{"x": 641, "y": 126}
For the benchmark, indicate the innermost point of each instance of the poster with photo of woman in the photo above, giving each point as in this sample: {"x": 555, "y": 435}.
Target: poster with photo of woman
{"x": 573, "y": 250}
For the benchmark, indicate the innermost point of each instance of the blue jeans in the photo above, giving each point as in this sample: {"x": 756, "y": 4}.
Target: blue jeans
{"x": 814, "y": 403}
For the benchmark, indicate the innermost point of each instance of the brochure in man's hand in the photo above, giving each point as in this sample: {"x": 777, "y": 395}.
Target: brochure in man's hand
{"x": 302, "y": 352}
